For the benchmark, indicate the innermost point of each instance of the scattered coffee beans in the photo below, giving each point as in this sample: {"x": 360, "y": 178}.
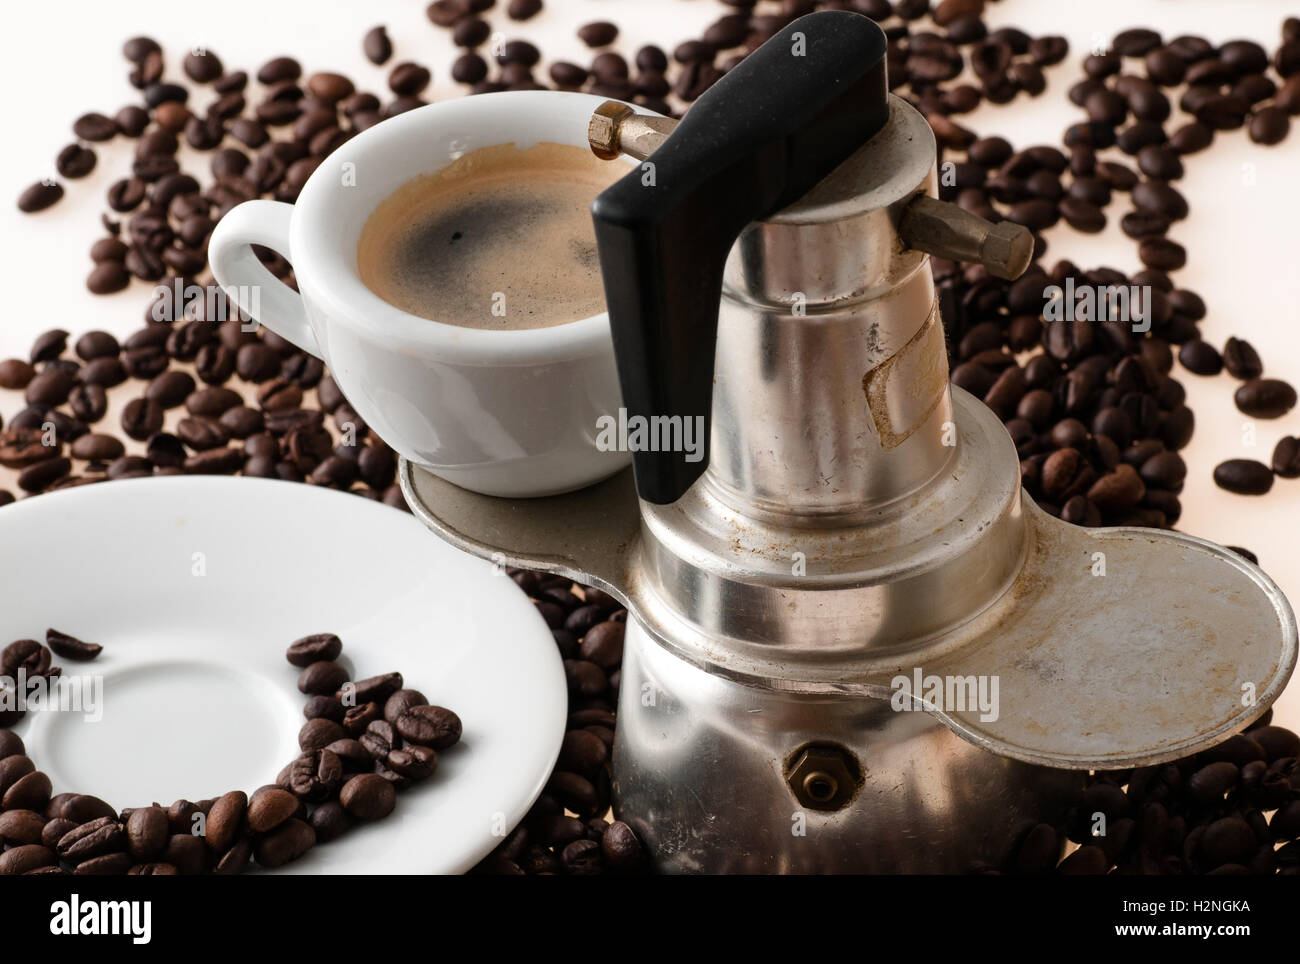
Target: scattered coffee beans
{"x": 334, "y": 782}
{"x": 1097, "y": 416}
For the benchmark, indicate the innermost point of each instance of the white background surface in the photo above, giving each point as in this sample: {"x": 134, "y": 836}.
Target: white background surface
{"x": 60, "y": 59}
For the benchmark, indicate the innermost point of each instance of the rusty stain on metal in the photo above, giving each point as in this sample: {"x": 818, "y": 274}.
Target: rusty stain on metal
{"x": 905, "y": 389}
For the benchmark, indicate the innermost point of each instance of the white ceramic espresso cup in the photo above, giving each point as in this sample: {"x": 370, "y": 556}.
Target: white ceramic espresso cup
{"x": 506, "y": 412}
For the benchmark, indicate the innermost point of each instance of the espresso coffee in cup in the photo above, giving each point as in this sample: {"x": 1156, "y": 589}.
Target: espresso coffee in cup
{"x": 501, "y": 238}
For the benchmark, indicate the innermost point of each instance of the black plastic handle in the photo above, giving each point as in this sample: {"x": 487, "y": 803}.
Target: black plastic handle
{"x": 757, "y": 141}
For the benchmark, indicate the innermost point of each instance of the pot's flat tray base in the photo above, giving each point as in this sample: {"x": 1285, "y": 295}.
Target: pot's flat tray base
{"x": 1112, "y": 648}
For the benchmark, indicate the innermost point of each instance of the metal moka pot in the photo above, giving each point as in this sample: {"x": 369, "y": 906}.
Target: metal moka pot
{"x": 854, "y": 643}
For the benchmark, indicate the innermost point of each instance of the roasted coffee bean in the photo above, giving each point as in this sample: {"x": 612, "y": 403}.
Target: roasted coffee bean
{"x": 53, "y": 830}
{"x": 1200, "y": 358}
{"x": 51, "y": 387}
{"x": 1082, "y": 215}
{"x": 1286, "y": 458}
{"x": 39, "y": 477}
{"x": 20, "y": 828}
{"x": 582, "y": 752}
{"x": 131, "y": 120}
{"x": 379, "y": 737}
{"x": 1265, "y": 398}
{"x": 574, "y": 791}
{"x": 69, "y": 647}
{"x": 322, "y": 677}
{"x": 129, "y": 467}
{"x": 255, "y": 362}
{"x": 470, "y": 68}
{"x": 351, "y": 753}
{"x": 202, "y": 66}
{"x": 1278, "y": 743}
{"x": 108, "y": 249}
{"x": 279, "y": 69}
{"x": 315, "y": 774}
{"x": 13, "y": 768}
{"x": 225, "y": 820}
{"x": 323, "y": 707}
{"x": 317, "y": 734}
{"x": 1228, "y": 840}
{"x": 25, "y": 859}
{"x": 356, "y": 719}
{"x": 376, "y": 689}
{"x": 1241, "y": 360}
{"x": 49, "y": 345}
{"x": 414, "y": 762}
{"x": 523, "y": 9}
{"x": 214, "y": 461}
{"x": 279, "y": 394}
{"x": 21, "y": 446}
{"x": 603, "y": 645}
{"x": 269, "y": 807}
{"x": 368, "y": 796}
{"x": 16, "y": 373}
{"x": 40, "y": 196}
{"x": 1157, "y": 197}
{"x": 146, "y": 362}
{"x": 105, "y": 865}
{"x": 1118, "y": 490}
{"x": 187, "y": 853}
{"x": 601, "y": 33}
{"x": 94, "y": 838}
{"x": 1164, "y": 470}
{"x": 234, "y": 860}
{"x": 1162, "y": 254}
{"x": 330, "y": 821}
{"x": 1269, "y": 125}
{"x": 141, "y": 418}
{"x": 212, "y": 401}
{"x": 170, "y": 389}
{"x": 104, "y": 372}
{"x": 241, "y": 422}
{"x": 432, "y": 726}
{"x": 401, "y": 701}
{"x": 24, "y": 654}
{"x": 621, "y": 849}
{"x": 147, "y": 832}
{"x": 82, "y": 807}
{"x": 289, "y": 841}
{"x": 107, "y": 277}
{"x": 200, "y": 433}
{"x": 29, "y": 792}
{"x": 376, "y": 45}
{"x": 1243, "y": 476}
{"x": 98, "y": 344}
{"x": 408, "y": 79}
{"x": 320, "y": 647}
{"x": 75, "y": 161}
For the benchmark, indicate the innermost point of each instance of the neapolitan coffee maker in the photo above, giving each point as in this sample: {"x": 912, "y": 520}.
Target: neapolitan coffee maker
{"x": 854, "y": 643}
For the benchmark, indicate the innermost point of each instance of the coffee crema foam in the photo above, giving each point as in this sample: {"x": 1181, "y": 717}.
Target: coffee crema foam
{"x": 501, "y": 238}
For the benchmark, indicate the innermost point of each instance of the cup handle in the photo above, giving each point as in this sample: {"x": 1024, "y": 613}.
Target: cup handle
{"x": 237, "y": 268}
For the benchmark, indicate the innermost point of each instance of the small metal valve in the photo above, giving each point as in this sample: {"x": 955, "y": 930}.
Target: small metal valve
{"x": 930, "y": 225}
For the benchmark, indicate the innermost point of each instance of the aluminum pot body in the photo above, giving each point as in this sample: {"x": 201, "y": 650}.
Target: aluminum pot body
{"x": 702, "y": 772}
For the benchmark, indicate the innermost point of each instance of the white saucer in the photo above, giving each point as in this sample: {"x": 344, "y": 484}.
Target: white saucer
{"x": 196, "y": 585}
